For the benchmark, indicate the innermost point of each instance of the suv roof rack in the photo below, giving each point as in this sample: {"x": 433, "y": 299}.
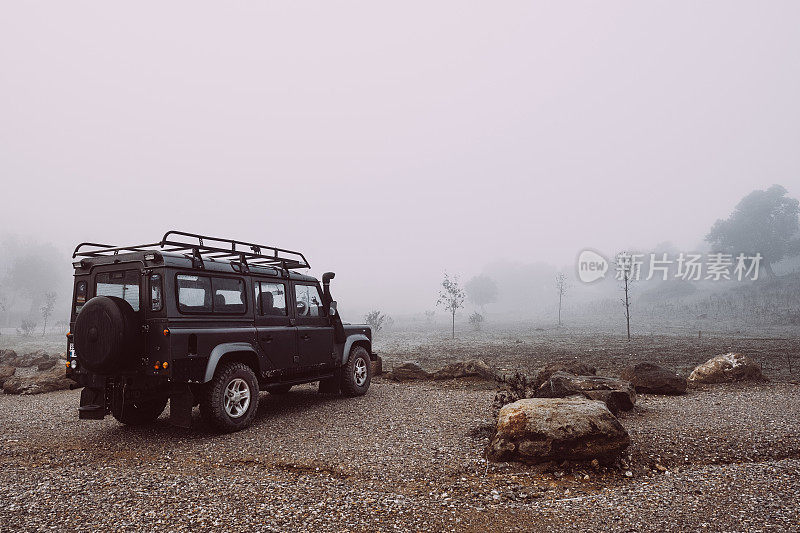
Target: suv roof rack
{"x": 247, "y": 253}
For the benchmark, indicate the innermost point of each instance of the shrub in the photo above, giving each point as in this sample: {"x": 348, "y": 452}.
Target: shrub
{"x": 476, "y": 319}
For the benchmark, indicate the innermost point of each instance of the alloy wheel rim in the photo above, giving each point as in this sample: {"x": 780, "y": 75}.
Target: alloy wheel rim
{"x": 360, "y": 372}
{"x": 237, "y": 397}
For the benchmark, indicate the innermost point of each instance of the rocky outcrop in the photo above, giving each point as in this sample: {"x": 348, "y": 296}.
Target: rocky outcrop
{"x": 6, "y": 371}
{"x": 618, "y": 395}
{"x": 7, "y": 356}
{"x": 649, "y": 378}
{"x": 32, "y": 359}
{"x": 40, "y": 382}
{"x": 554, "y": 429}
{"x": 408, "y": 372}
{"x": 473, "y": 368}
{"x": 466, "y": 369}
{"x": 727, "y": 368}
{"x": 39, "y": 358}
{"x": 47, "y": 365}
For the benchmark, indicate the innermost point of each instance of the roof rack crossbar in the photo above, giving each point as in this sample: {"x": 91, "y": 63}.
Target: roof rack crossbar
{"x": 195, "y": 245}
{"x": 101, "y": 249}
{"x": 247, "y": 250}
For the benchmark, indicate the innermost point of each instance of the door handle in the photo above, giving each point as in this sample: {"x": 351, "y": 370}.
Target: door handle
{"x": 268, "y": 338}
{"x": 305, "y": 337}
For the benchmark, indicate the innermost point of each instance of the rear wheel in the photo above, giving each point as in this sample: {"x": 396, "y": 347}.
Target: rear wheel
{"x": 141, "y": 412}
{"x": 357, "y": 373}
{"x": 230, "y": 401}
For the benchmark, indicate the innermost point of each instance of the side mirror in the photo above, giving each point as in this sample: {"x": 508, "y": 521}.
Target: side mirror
{"x": 332, "y": 308}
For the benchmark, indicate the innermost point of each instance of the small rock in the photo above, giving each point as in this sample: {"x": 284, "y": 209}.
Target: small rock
{"x": 408, "y": 372}
{"x": 618, "y": 395}
{"x": 649, "y": 378}
{"x": 570, "y": 366}
{"x": 465, "y": 369}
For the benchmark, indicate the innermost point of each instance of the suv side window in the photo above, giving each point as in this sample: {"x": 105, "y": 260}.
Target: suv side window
{"x": 308, "y": 301}
{"x": 271, "y": 298}
{"x": 228, "y": 295}
{"x": 202, "y": 294}
{"x": 194, "y": 293}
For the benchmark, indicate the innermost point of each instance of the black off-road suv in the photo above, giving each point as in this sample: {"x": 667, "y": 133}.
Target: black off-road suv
{"x": 201, "y": 320}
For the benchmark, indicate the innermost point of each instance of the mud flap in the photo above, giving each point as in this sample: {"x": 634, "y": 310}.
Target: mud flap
{"x": 377, "y": 366}
{"x": 93, "y": 403}
{"x": 181, "y": 401}
{"x": 118, "y": 399}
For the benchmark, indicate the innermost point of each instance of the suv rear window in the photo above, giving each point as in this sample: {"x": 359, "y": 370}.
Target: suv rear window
{"x": 201, "y": 294}
{"x": 122, "y": 284}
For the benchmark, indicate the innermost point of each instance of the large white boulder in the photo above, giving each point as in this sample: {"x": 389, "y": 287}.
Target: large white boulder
{"x": 727, "y": 368}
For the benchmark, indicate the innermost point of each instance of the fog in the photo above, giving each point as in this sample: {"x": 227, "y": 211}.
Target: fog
{"x": 392, "y": 143}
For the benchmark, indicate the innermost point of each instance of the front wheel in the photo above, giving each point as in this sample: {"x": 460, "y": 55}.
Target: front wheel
{"x": 357, "y": 373}
{"x": 230, "y": 401}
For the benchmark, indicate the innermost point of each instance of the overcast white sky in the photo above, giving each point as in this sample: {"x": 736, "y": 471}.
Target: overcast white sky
{"x": 395, "y": 140}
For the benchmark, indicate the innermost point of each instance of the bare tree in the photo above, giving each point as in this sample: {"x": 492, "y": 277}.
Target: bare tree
{"x": 561, "y": 287}
{"x": 451, "y": 297}
{"x": 626, "y": 271}
{"x": 375, "y": 319}
{"x": 47, "y": 309}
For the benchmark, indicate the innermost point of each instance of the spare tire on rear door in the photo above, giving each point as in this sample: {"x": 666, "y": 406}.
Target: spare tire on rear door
{"x": 107, "y": 335}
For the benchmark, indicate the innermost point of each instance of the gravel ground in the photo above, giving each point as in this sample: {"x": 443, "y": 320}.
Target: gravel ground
{"x": 405, "y": 456}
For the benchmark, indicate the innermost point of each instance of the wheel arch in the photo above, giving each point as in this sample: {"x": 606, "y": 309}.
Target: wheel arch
{"x": 241, "y": 352}
{"x": 356, "y": 339}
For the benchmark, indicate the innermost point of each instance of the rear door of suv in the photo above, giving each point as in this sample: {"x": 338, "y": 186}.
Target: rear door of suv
{"x": 314, "y": 331}
{"x": 276, "y": 335}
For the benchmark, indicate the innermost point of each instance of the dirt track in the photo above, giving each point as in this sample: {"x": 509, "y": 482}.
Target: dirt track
{"x": 401, "y": 457}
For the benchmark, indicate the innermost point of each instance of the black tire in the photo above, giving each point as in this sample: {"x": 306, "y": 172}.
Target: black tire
{"x": 213, "y": 407}
{"x": 279, "y": 389}
{"x": 142, "y": 412}
{"x": 357, "y": 373}
{"x": 108, "y": 335}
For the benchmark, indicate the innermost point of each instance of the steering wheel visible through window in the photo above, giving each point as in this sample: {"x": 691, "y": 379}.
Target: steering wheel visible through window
{"x": 302, "y": 308}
